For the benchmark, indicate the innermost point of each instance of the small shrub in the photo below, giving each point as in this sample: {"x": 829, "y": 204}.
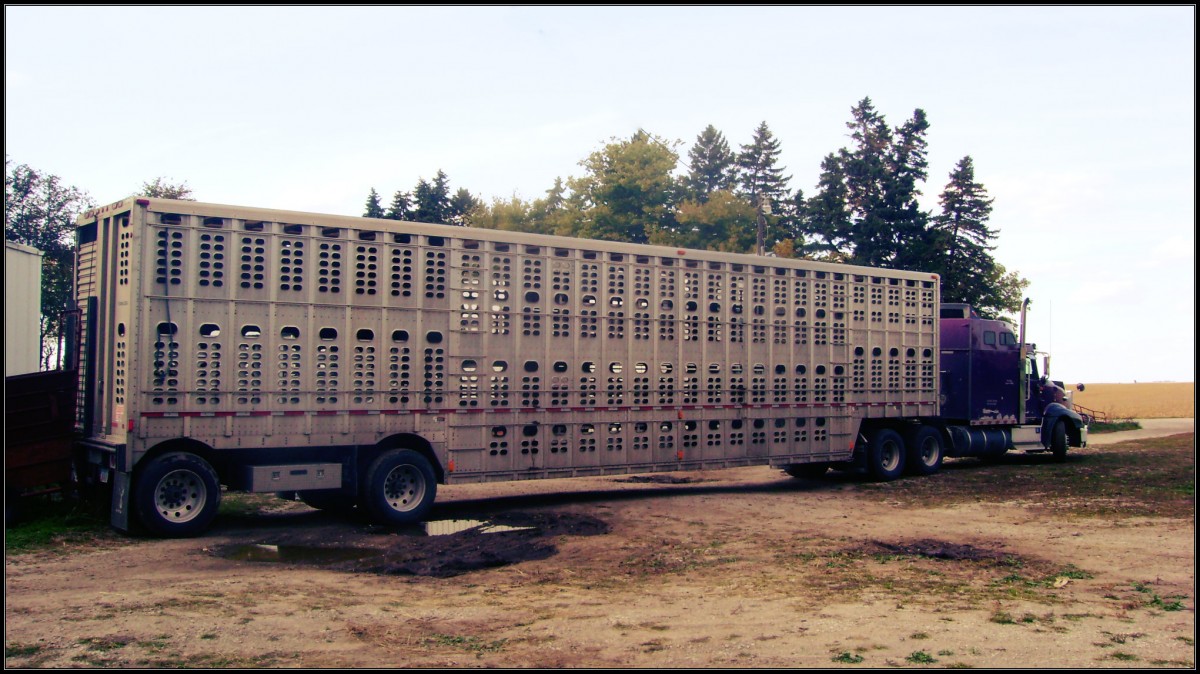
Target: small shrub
{"x": 921, "y": 658}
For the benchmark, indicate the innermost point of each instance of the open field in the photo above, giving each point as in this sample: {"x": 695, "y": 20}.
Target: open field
{"x": 1155, "y": 400}
{"x": 1021, "y": 563}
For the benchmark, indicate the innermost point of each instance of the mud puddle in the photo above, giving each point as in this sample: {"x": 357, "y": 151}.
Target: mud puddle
{"x": 935, "y": 549}
{"x": 663, "y": 479}
{"x": 440, "y": 548}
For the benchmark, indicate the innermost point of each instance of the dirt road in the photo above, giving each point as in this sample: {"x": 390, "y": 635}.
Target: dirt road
{"x": 740, "y": 568}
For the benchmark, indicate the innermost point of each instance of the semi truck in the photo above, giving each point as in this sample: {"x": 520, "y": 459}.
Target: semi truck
{"x": 361, "y": 363}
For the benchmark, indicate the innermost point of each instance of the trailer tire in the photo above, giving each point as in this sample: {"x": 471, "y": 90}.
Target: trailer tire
{"x": 1058, "y": 440}
{"x": 177, "y": 495}
{"x": 807, "y": 471}
{"x": 925, "y": 451}
{"x": 885, "y": 455}
{"x": 399, "y": 488}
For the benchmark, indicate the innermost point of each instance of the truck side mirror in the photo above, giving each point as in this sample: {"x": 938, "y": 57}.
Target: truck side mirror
{"x": 1079, "y": 387}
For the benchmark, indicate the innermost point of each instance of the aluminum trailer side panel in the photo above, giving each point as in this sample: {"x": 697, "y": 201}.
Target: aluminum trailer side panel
{"x": 511, "y": 355}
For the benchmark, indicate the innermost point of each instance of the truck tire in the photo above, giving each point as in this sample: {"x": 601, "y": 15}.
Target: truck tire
{"x": 807, "y": 471}
{"x": 925, "y": 451}
{"x": 399, "y": 488}
{"x": 885, "y": 455}
{"x": 177, "y": 495}
{"x": 1058, "y": 440}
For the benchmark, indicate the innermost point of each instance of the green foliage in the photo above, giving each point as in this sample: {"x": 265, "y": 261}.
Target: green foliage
{"x": 428, "y": 202}
{"x": 1113, "y": 426}
{"x": 627, "y": 193}
{"x": 52, "y": 522}
{"x": 401, "y": 208}
{"x": 40, "y": 211}
{"x": 921, "y": 658}
{"x": 848, "y": 658}
{"x": 866, "y": 212}
{"x": 374, "y": 208}
{"x": 964, "y": 242}
{"x": 720, "y": 223}
{"x": 758, "y": 173}
{"x": 160, "y": 188}
{"x": 463, "y": 205}
{"x": 509, "y": 215}
{"x": 432, "y": 199}
{"x": 765, "y": 187}
{"x": 711, "y": 166}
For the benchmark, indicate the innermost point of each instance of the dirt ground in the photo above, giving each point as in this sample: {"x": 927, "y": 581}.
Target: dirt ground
{"x": 736, "y": 568}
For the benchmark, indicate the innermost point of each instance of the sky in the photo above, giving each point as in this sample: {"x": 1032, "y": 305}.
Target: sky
{"x": 1081, "y": 121}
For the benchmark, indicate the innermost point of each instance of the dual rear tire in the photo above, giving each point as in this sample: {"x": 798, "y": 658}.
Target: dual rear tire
{"x": 890, "y": 454}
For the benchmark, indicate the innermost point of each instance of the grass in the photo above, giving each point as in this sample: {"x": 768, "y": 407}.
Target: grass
{"x": 1143, "y": 478}
{"x": 1113, "y": 426}
{"x": 50, "y": 523}
{"x": 467, "y": 643}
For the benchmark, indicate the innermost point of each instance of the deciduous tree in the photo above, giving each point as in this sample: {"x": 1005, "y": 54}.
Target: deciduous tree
{"x": 40, "y": 211}
{"x": 162, "y": 188}
{"x": 628, "y": 191}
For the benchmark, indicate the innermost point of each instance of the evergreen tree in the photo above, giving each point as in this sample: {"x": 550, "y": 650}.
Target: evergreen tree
{"x": 432, "y": 199}
{"x": 827, "y": 220}
{"x": 757, "y": 170}
{"x": 763, "y": 184}
{"x": 712, "y": 166}
{"x": 964, "y": 242}
{"x": 865, "y": 169}
{"x": 552, "y": 214}
{"x": 866, "y": 209}
{"x": 461, "y": 208}
{"x": 908, "y": 163}
{"x": 401, "y": 208}
{"x": 374, "y": 208}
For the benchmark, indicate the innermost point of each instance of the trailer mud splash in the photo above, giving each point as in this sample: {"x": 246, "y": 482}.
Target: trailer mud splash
{"x": 440, "y": 548}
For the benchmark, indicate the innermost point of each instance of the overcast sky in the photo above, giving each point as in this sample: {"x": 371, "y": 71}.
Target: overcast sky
{"x": 1080, "y": 120}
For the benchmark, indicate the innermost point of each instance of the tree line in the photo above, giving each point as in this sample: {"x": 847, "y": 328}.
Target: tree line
{"x": 40, "y": 210}
{"x": 864, "y": 210}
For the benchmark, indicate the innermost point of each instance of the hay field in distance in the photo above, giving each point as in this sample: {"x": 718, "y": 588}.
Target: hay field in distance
{"x": 1151, "y": 400}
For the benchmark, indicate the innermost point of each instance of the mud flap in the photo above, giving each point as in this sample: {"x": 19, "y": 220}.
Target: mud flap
{"x": 119, "y": 514}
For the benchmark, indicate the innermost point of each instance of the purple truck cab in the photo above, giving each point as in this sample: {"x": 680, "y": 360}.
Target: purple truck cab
{"x": 992, "y": 396}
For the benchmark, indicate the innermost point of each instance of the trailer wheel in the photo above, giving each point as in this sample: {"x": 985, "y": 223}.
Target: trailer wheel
{"x": 807, "y": 471}
{"x": 925, "y": 451}
{"x": 177, "y": 495}
{"x": 885, "y": 455}
{"x": 399, "y": 487}
{"x": 1058, "y": 441}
